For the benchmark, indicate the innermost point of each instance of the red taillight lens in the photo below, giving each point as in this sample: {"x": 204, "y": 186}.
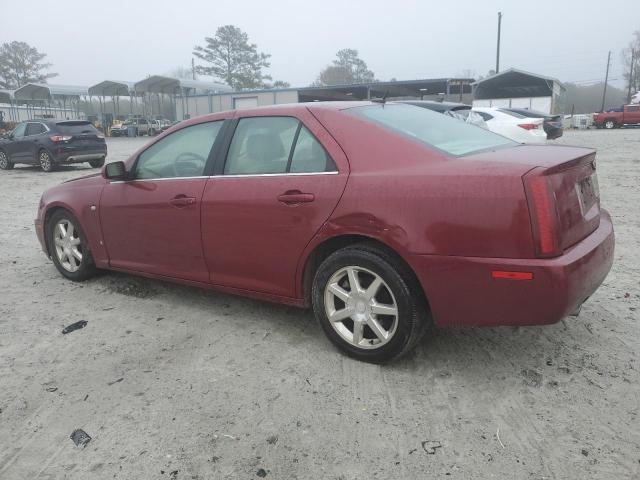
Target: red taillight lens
{"x": 60, "y": 138}
{"x": 529, "y": 126}
{"x": 544, "y": 217}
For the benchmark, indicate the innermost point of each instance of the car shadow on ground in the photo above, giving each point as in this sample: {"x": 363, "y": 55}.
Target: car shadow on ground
{"x": 487, "y": 351}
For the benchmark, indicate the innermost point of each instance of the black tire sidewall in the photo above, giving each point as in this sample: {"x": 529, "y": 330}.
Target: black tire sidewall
{"x": 9, "y": 165}
{"x": 87, "y": 267}
{"x": 402, "y": 293}
{"x": 96, "y": 163}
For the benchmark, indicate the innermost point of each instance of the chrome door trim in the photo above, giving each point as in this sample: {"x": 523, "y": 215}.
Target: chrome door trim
{"x": 296, "y": 174}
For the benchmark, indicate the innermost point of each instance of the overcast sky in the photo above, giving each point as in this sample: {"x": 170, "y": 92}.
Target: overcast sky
{"x": 88, "y": 42}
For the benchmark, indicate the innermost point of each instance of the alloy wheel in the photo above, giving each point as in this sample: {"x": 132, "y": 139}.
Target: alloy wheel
{"x": 361, "y": 307}
{"x": 45, "y": 161}
{"x": 4, "y": 161}
{"x": 68, "y": 245}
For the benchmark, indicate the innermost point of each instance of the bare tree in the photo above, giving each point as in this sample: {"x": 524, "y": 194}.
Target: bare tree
{"x": 632, "y": 70}
{"x": 233, "y": 59}
{"x": 181, "y": 72}
{"x": 20, "y": 64}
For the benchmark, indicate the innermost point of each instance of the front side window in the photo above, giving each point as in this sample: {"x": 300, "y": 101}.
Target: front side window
{"x": 181, "y": 154}
{"x": 18, "y": 132}
{"x": 275, "y": 145}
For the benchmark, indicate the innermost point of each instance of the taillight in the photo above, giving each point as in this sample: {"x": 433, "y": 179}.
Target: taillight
{"x": 544, "y": 216}
{"x": 60, "y": 138}
{"x": 529, "y": 126}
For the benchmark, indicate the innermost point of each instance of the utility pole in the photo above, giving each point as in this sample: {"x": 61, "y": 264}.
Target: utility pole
{"x": 193, "y": 69}
{"x": 633, "y": 59}
{"x": 498, "y": 47}
{"x": 606, "y": 79}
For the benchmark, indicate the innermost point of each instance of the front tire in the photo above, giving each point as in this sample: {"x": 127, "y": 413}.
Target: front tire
{"x": 368, "y": 304}
{"x": 609, "y": 124}
{"x": 69, "y": 248}
{"x": 5, "y": 164}
{"x": 46, "y": 162}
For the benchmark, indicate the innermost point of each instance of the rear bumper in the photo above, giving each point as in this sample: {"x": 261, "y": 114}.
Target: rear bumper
{"x": 80, "y": 156}
{"x": 461, "y": 290}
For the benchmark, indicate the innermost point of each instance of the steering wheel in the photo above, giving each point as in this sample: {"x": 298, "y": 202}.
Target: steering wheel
{"x": 188, "y": 164}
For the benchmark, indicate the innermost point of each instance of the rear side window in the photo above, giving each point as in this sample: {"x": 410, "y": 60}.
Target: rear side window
{"x": 433, "y": 129}
{"x": 34, "y": 129}
{"x": 275, "y": 145}
{"x": 75, "y": 128}
{"x": 182, "y": 154}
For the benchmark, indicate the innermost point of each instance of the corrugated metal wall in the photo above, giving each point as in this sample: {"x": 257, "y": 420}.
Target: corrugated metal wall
{"x": 197, "y": 105}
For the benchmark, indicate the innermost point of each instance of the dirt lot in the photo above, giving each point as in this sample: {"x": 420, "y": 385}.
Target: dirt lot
{"x": 178, "y": 383}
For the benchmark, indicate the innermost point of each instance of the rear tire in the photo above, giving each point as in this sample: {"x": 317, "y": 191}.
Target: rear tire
{"x": 46, "y": 162}
{"x": 5, "y": 164}
{"x": 68, "y": 247}
{"x": 380, "y": 319}
{"x": 96, "y": 163}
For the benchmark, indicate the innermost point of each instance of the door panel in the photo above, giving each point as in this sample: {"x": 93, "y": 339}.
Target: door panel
{"x": 154, "y": 226}
{"x": 255, "y": 226}
{"x": 252, "y": 239}
{"x": 17, "y": 148}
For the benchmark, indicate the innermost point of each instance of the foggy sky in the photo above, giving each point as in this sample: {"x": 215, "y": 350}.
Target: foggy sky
{"x": 88, "y": 42}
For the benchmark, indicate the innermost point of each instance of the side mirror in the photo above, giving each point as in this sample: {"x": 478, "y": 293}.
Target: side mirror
{"x": 114, "y": 171}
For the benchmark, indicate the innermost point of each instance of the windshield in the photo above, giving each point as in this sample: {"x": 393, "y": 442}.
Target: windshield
{"x": 434, "y": 129}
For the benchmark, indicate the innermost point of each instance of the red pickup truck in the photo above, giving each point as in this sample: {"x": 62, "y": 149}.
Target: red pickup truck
{"x": 630, "y": 115}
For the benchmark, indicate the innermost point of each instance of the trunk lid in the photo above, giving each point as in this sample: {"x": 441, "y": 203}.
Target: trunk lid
{"x": 81, "y": 133}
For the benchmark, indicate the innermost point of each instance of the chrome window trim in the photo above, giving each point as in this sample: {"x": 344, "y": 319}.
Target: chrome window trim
{"x": 296, "y": 174}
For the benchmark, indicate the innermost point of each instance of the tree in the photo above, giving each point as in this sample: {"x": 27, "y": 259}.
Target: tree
{"x": 181, "y": 72}
{"x": 233, "y": 59}
{"x": 20, "y": 64}
{"x": 276, "y": 84}
{"x": 346, "y": 68}
{"x": 632, "y": 72}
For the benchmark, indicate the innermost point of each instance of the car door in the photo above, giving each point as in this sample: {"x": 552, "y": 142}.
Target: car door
{"x": 17, "y": 148}
{"x": 632, "y": 115}
{"x": 33, "y": 141}
{"x": 151, "y": 222}
{"x": 282, "y": 178}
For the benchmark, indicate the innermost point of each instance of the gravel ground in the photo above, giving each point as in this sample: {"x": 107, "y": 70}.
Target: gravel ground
{"x": 178, "y": 383}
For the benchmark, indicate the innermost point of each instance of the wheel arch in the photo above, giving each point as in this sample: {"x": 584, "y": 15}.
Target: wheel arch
{"x": 332, "y": 244}
{"x": 49, "y": 212}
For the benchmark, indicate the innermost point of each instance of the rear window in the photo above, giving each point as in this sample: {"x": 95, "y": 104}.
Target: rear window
{"x": 72, "y": 128}
{"x": 434, "y": 129}
{"x": 512, "y": 113}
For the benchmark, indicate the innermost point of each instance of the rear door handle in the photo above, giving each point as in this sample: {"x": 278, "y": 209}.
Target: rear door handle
{"x": 182, "y": 201}
{"x": 293, "y": 197}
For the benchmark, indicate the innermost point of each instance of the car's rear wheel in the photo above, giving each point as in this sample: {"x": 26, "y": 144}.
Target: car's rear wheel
{"x": 97, "y": 163}
{"x": 609, "y": 124}
{"x": 368, "y": 304}
{"x": 68, "y": 247}
{"x": 5, "y": 164}
{"x": 46, "y": 162}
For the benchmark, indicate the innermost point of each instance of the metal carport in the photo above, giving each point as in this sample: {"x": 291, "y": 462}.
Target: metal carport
{"x": 114, "y": 89}
{"x": 44, "y": 94}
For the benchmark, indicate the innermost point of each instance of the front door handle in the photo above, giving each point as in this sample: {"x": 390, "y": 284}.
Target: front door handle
{"x": 294, "y": 197}
{"x": 182, "y": 201}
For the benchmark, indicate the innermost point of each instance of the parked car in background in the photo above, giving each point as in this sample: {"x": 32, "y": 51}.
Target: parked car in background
{"x": 143, "y": 126}
{"x": 552, "y": 124}
{"x": 49, "y": 143}
{"x": 377, "y": 216}
{"x": 460, "y": 111}
{"x": 512, "y": 125}
{"x": 164, "y": 123}
{"x": 627, "y": 115}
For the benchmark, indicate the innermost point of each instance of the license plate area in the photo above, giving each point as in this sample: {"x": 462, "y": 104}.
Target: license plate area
{"x": 587, "y": 192}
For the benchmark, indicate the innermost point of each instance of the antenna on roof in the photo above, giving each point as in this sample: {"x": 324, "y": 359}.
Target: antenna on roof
{"x": 382, "y": 100}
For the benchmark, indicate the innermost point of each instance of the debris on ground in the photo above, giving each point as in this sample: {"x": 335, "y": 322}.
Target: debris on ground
{"x": 261, "y": 473}
{"x": 116, "y": 381}
{"x": 74, "y": 326}
{"x": 430, "y": 446}
{"x": 531, "y": 377}
{"x": 52, "y": 389}
{"x": 80, "y": 438}
{"x": 272, "y": 440}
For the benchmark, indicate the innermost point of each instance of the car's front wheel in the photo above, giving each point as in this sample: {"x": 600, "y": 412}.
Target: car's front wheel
{"x": 97, "y": 163}
{"x": 5, "y": 164}
{"x": 68, "y": 247}
{"x": 368, "y": 303}
{"x": 609, "y": 124}
{"x": 46, "y": 162}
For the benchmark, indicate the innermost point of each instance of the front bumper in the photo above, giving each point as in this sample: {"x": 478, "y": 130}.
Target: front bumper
{"x": 39, "y": 224}
{"x": 461, "y": 290}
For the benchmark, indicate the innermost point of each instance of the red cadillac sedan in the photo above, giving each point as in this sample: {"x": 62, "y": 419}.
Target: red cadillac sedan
{"x": 384, "y": 218}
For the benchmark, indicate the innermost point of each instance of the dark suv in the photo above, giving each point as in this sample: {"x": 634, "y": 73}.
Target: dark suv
{"x": 52, "y": 142}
